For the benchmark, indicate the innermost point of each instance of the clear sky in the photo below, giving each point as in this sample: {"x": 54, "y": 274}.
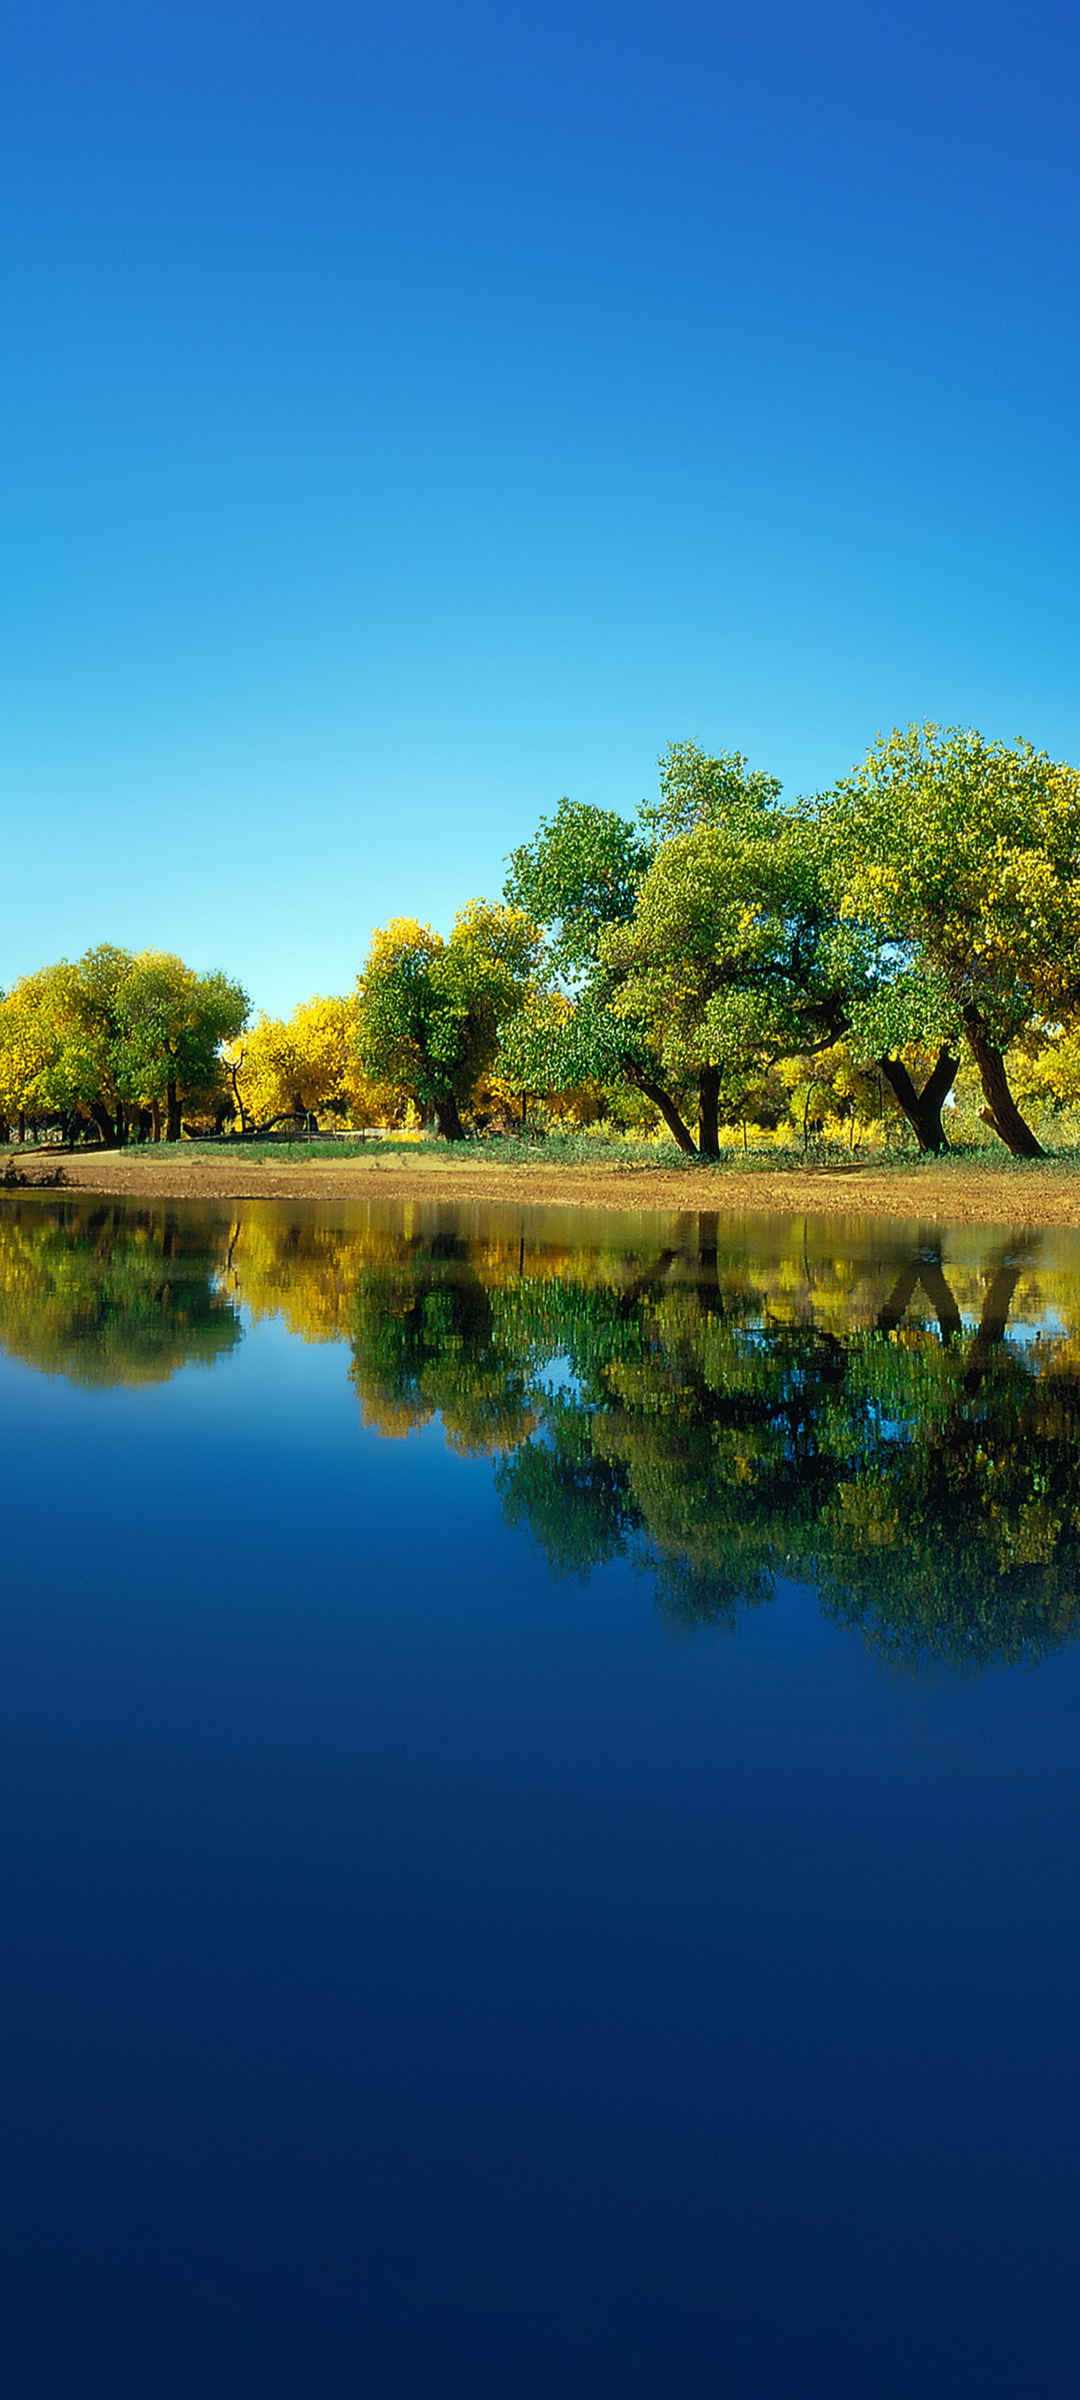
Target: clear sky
{"x": 412, "y": 416}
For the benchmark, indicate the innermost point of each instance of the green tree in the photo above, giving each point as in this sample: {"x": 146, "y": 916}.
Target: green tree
{"x": 171, "y": 1026}
{"x": 730, "y": 958}
{"x": 619, "y": 902}
{"x": 697, "y": 789}
{"x": 579, "y": 874}
{"x": 430, "y": 1010}
{"x": 960, "y": 858}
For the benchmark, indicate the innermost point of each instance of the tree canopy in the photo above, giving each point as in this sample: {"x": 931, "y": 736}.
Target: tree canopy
{"x": 701, "y": 940}
{"x": 429, "y": 1011}
{"x": 961, "y": 858}
{"x": 115, "y": 1036}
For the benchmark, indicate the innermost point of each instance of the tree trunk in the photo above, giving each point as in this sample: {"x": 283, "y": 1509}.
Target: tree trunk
{"x": 172, "y": 1119}
{"x": 234, "y": 1078}
{"x": 994, "y": 1315}
{"x": 893, "y": 1310}
{"x": 923, "y": 1109}
{"x": 926, "y": 1269}
{"x": 155, "y": 1120}
{"x": 709, "y": 1112}
{"x": 942, "y": 1301}
{"x": 104, "y": 1123}
{"x": 448, "y": 1119}
{"x": 666, "y": 1105}
{"x": 121, "y": 1125}
{"x": 1001, "y": 1112}
{"x": 708, "y": 1226}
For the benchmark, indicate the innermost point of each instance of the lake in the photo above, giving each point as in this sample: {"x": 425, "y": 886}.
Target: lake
{"x": 541, "y": 1772}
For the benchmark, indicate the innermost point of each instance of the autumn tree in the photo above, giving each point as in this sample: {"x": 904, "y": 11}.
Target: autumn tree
{"x": 303, "y": 1066}
{"x": 61, "y": 1042}
{"x": 112, "y": 1034}
{"x": 30, "y": 1042}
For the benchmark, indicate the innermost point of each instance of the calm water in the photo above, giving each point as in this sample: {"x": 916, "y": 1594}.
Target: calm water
{"x": 540, "y": 1838}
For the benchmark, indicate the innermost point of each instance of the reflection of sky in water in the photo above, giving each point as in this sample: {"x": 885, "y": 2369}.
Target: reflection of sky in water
{"x": 559, "y": 1376}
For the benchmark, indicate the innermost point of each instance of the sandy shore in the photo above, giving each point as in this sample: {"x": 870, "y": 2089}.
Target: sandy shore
{"x": 955, "y": 1191}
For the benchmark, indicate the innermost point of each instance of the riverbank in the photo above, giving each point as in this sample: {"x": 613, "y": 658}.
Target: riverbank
{"x": 958, "y": 1190}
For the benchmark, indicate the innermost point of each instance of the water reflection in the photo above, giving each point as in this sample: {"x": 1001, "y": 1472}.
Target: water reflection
{"x": 111, "y": 1295}
{"x": 887, "y": 1414}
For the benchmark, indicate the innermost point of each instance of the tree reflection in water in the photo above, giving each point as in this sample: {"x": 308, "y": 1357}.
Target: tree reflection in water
{"x": 896, "y": 1426}
{"x": 110, "y": 1295}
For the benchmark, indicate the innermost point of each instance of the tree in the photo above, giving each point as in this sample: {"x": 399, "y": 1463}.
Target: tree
{"x": 60, "y": 1042}
{"x": 729, "y": 958}
{"x": 113, "y": 1034}
{"x": 620, "y": 902}
{"x": 171, "y": 1025}
{"x": 960, "y": 858}
{"x": 580, "y": 873}
{"x": 698, "y": 789}
{"x": 429, "y": 1010}
{"x": 302, "y": 1067}
{"x": 30, "y": 1040}
{"x": 551, "y": 1047}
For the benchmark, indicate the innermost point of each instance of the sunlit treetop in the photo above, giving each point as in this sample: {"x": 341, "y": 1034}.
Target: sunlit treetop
{"x": 697, "y": 789}
{"x": 966, "y": 851}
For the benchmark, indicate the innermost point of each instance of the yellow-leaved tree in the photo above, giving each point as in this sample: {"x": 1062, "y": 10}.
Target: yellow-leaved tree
{"x": 304, "y": 1066}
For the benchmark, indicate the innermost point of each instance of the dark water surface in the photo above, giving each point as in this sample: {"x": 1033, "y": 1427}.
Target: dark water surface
{"x": 540, "y": 1828}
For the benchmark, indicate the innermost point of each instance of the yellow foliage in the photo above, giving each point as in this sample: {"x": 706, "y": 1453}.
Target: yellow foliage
{"x": 306, "y": 1065}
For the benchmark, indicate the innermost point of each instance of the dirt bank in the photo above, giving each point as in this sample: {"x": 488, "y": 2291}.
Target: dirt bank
{"x": 955, "y": 1190}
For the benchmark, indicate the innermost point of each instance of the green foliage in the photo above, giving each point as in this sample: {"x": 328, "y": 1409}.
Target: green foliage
{"x": 114, "y": 1031}
{"x": 695, "y": 943}
{"x": 579, "y": 874}
{"x": 133, "y": 1304}
{"x": 551, "y": 1046}
{"x": 171, "y": 1025}
{"x": 961, "y": 856}
{"x": 722, "y": 958}
{"x": 430, "y": 1011}
{"x": 729, "y": 959}
{"x": 696, "y": 790}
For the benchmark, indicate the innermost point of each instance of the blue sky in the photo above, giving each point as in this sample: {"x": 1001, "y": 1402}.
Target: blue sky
{"x": 409, "y": 419}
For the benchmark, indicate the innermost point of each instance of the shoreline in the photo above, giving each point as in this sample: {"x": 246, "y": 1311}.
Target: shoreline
{"x": 953, "y": 1190}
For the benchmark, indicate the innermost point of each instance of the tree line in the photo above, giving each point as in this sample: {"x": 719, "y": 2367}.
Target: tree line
{"x": 695, "y": 963}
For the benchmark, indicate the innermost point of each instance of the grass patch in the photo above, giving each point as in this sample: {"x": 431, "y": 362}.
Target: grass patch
{"x": 593, "y": 1150}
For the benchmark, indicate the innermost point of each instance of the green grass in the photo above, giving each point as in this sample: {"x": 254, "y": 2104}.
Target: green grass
{"x": 299, "y": 1153}
{"x": 580, "y": 1149}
